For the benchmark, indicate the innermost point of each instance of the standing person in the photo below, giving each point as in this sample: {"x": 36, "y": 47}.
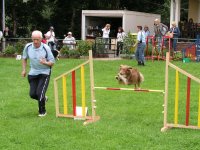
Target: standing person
{"x": 106, "y": 32}
{"x": 41, "y": 61}
{"x": 140, "y": 43}
{"x": 44, "y": 40}
{"x": 1, "y": 35}
{"x": 146, "y": 31}
{"x": 7, "y": 33}
{"x": 120, "y": 37}
{"x": 51, "y": 41}
{"x": 176, "y": 33}
{"x": 70, "y": 41}
{"x": 160, "y": 30}
{"x": 51, "y": 38}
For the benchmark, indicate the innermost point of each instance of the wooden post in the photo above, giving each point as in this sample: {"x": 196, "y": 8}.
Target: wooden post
{"x": 56, "y": 97}
{"x": 166, "y": 92}
{"x": 94, "y": 117}
{"x": 92, "y": 84}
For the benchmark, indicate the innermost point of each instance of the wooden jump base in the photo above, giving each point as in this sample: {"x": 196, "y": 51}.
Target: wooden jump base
{"x": 187, "y": 112}
{"x": 129, "y": 89}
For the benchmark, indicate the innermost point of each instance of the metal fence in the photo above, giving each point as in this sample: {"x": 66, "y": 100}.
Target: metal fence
{"x": 101, "y": 47}
{"x": 14, "y": 41}
{"x": 107, "y": 47}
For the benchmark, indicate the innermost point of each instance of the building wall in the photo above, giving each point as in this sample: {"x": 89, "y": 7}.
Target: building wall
{"x": 130, "y": 19}
{"x": 199, "y": 13}
{"x": 193, "y": 10}
{"x": 133, "y": 20}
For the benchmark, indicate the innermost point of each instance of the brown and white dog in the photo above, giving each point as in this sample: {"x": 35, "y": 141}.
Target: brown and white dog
{"x": 128, "y": 75}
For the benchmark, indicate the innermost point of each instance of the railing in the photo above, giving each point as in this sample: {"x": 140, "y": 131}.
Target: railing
{"x": 107, "y": 47}
{"x": 101, "y": 47}
{"x": 14, "y": 41}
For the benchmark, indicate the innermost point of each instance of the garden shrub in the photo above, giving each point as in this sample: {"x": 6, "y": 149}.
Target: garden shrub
{"x": 9, "y": 50}
{"x": 128, "y": 43}
{"x": 73, "y": 54}
{"x": 83, "y": 47}
{"x": 20, "y": 46}
{"x": 64, "y": 51}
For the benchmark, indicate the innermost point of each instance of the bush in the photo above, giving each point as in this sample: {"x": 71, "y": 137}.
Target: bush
{"x": 20, "y": 46}
{"x": 9, "y": 50}
{"x": 74, "y": 54}
{"x": 83, "y": 47}
{"x": 64, "y": 51}
{"x": 128, "y": 43}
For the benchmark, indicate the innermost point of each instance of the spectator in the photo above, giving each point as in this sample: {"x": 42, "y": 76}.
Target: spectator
{"x": 70, "y": 41}
{"x": 176, "y": 33}
{"x": 7, "y": 34}
{"x": 120, "y": 37}
{"x": 146, "y": 31}
{"x": 51, "y": 41}
{"x": 41, "y": 61}
{"x": 160, "y": 30}
{"x": 44, "y": 40}
{"x": 51, "y": 38}
{"x": 190, "y": 28}
{"x": 106, "y": 32}
{"x": 140, "y": 43}
{"x": 1, "y": 35}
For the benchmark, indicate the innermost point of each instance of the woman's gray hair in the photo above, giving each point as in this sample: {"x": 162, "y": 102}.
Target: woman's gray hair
{"x": 37, "y": 33}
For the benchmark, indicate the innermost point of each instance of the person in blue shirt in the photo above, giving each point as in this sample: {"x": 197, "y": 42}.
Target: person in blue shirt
{"x": 141, "y": 44}
{"x": 176, "y": 33}
{"x": 41, "y": 61}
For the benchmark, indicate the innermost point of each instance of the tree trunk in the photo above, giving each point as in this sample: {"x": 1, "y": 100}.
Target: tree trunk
{"x": 14, "y": 22}
{"x": 73, "y": 19}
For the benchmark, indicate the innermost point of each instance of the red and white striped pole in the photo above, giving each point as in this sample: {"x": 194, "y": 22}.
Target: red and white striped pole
{"x": 129, "y": 89}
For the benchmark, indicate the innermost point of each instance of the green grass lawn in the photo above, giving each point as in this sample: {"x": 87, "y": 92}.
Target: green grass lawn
{"x": 129, "y": 120}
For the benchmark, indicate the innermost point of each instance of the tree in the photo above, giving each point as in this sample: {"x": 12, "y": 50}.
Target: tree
{"x": 65, "y": 16}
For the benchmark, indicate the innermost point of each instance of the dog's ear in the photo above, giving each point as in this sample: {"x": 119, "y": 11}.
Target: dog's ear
{"x": 128, "y": 70}
{"x": 130, "y": 67}
{"x": 121, "y": 66}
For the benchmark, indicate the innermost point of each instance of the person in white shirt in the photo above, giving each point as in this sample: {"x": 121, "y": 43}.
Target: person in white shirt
{"x": 70, "y": 41}
{"x": 146, "y": 31}
{"x": 120, "y": 37}
{"x": 51, "y": 38}
{"x": 106, "y": 32}
{"x": 1, "y": 35}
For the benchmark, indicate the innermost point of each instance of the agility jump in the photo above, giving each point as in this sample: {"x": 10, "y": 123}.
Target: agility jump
{"x": 176, "y": 101}
{"x": 83, "y": 116}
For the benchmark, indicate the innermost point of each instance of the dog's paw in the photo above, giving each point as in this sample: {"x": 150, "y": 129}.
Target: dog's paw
{"x": 116, "y": 77}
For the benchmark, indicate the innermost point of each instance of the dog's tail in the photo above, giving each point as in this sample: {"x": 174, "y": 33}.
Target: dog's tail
{"x": 141, "y": 77}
